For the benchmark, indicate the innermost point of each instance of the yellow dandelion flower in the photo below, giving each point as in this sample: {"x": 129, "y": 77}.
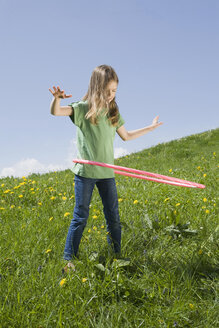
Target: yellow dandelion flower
{"x": 204, "y": 175}
{"x": 33, "y": 192}
{"x": 102, "y": 227}
{"x": 214, "y": 153}
{"x": 11, "y": 192}
{"x": 2, "y": 185}
{"x": 12, "y": 206}
{"x": 205, "y": 200}
{"x": 20, "y": 196}
{"x": 199, "y": 167}
{"x": 170, "y": 170}
{"x": 19, "y": 207}
{"x": 84, "y": 280}
{"x": 191, "y": 306}
{"x": 166, "y": 199}
{"x": 48, "y": 251}
{"x": 207, "y": 211}
{"x": 50, "y": 219}
{"x": 31, "y": 189}
{"x": 177, "y": 204}
{"x": 203, "y": 207}
{"x": 40, "y": 204}
{"x": 174, "y": 212}
{"x": 214, "y": 205}
{"x": 33, "y": 182}
{"x": 66, "y": 214}
{"x": 7, "y": 191}
{"x": 72, "y": 196}
{"x": 95, "y": 228}
{"x": 64, "y": 198}
{"x": 62, "y": 282}
{"x": 94, "y": 217}
{"x": 120, "y": 200}
{"x": 135, "y": 201}
{"x": 52, "y": 197}
{"x": 89, "y": 230}
{"x": 2, "y": 208}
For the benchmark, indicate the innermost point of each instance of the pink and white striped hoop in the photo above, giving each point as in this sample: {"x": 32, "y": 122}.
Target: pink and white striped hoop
{"x": 144, "y": 175}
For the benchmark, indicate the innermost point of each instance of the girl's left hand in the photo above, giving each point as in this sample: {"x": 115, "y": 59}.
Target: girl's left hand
{"x": 155, "y": 122}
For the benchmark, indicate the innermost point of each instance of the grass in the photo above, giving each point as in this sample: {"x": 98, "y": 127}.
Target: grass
{"x": 168, "y": 276}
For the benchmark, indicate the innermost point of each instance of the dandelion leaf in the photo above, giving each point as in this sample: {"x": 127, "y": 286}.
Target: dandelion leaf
{"x": 93, "y": 256}
{"x": 121, "y": 263}
{"x": 148, "y": 221}
{"x": 100, "y": 266}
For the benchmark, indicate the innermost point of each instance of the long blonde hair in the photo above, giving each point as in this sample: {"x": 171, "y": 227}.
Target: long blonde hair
{"x": 96, "y": 95}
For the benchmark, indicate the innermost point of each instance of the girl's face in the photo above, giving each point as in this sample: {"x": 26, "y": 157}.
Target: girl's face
{"x": 111, "y": 90}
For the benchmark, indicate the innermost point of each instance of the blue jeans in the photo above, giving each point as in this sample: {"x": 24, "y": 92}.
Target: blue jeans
{"x": 83, "y": 191}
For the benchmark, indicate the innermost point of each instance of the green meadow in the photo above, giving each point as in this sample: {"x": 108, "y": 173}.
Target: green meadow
{"x": 167, "y": 275}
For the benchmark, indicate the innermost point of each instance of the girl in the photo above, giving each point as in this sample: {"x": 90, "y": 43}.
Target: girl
{"x": 97, "y": 119}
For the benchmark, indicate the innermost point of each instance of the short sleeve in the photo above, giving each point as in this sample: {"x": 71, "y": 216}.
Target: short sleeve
{"x": 78, "y": 113}
{"x": 120, "y": 122}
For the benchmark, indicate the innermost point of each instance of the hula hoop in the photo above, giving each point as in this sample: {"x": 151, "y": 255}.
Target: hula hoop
{"x": 139, "y": 174}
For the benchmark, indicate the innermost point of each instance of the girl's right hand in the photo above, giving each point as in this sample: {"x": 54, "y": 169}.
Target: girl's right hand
{"x": 57, "y": 93}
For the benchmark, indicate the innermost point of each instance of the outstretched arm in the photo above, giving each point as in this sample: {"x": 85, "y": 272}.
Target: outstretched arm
{"x": 55, "y": 107}
{"x": 130, "y": 135}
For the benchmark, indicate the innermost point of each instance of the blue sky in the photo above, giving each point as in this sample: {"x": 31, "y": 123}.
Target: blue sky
{"x": 165, "y": 53}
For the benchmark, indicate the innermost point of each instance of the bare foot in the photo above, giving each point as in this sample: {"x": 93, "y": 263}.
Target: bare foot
{"x": 69, "y": 267}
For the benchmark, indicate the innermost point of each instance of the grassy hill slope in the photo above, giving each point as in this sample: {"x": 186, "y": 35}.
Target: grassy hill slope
{"x": 168, "y": 276}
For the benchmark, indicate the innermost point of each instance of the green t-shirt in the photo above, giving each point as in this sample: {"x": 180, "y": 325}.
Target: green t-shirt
{"x": 94, "y": 142}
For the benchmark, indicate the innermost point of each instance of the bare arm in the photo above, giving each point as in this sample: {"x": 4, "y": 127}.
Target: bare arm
{"x": 58, "y": 110}
{"x": 55, "y": 107}
{"x": 130, "y": 135}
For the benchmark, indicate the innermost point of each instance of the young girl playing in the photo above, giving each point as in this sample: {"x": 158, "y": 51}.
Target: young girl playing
{"x": 97, "y": 118}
